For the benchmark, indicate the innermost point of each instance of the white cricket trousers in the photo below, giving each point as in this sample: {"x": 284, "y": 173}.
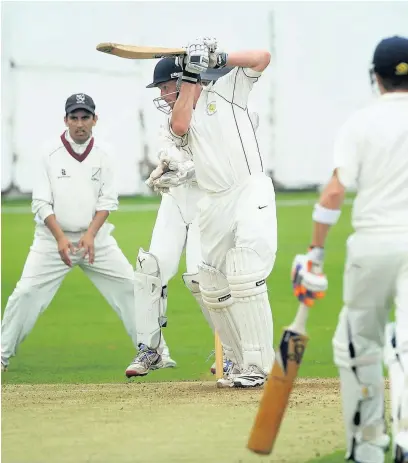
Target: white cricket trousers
{"x": 44, "y": 272}
{"x": 176, "y": 229}
{"x": 241, "y": 218}
{"x": 239, "y": 243}
{"x": 375, "y": 277}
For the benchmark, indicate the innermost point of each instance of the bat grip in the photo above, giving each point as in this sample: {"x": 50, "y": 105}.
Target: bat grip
{"x": 299, "y": 323}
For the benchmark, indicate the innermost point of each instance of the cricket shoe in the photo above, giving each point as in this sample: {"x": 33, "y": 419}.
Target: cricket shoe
{"x": 145, "y": 360}
{"x": 165, "y": 362}
{"x": 228, "y": 379}
{"x": 3, "y": 368}
{"x": 252, "y": 377}
{"x": 226, "y": 363}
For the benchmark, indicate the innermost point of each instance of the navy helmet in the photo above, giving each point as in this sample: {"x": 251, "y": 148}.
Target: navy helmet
{"x": 166, "y": 69}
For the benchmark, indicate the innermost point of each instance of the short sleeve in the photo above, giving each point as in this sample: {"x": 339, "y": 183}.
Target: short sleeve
{"x": 236, "y": 86}
{"x": 347, "y": 153}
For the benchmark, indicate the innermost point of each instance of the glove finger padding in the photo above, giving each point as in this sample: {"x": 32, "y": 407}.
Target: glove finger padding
{"x": 307, "y": 285}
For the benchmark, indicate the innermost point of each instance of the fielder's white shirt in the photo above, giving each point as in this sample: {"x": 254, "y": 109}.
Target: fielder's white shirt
{"x": 221, "y": 136}
{"x": 371, "y": 154}
{"x": 74, "y": 181}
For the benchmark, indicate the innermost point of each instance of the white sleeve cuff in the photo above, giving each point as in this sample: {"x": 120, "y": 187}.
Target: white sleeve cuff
{"x": 43, "y": 211}
{"x": 249, "y": 72}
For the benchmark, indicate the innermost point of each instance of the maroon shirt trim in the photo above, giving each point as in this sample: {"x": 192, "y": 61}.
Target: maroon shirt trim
{"x": 78, "y": 157}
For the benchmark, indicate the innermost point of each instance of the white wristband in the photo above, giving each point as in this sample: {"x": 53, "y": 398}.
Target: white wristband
{"x": 327, "y": 216}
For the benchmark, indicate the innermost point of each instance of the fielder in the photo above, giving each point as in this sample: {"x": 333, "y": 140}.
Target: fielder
{"x": 237, "y": 214}
{"x": 176, "y": 223}
{"x": 73, "y": 195}
{"x": 371, "y": 154}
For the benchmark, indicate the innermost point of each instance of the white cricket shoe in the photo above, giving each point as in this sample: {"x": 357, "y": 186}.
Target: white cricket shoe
{"x": 165, "y": 362}
{"x": 228, "y": 379}
{"x": 252, "y": 377}
{"x": 145, "y": 360}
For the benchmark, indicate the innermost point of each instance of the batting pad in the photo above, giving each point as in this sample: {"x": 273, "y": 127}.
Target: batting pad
{"x": 150, "y": 301}
{"x": 246, "y": 276}
{"x": 398, "y": 386}
{"x": 359, "y": 361}
{"x": 191, "y": 281}
{"x": 216, "y": 296}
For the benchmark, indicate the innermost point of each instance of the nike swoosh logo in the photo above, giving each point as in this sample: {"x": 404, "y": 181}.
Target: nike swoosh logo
{"x": 262, "y": 207}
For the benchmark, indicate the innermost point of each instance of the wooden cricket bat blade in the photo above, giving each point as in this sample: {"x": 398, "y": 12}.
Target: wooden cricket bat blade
{"x": 136, "y": 52}
{"x": 276, "y": 392}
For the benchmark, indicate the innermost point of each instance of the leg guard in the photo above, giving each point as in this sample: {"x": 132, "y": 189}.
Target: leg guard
{"x": 399, "y": 389}
{"x": 191, "y": 281}
{"x": 217, "y": 298}
{"x": 252, "y": 312}
{"x": 150, "y": 301}
{"x": 362, "y": 389}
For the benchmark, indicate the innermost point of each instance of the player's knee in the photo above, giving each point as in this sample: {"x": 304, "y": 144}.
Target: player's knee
{"x": 214, "y": 288}
{"x": 246, "y": 272}
{"x": 192, "y": 282}
{"x": 147, "y": 263}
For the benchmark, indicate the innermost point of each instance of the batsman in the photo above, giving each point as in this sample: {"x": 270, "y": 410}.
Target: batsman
{"x": 371, "y": 156}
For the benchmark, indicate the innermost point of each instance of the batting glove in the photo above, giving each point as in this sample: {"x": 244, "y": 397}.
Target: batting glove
{"x": 308, "y": 281}
{"x": 195, "y": 62}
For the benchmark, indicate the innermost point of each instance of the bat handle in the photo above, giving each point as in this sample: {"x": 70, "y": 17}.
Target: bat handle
{"x": 299, "y": 323}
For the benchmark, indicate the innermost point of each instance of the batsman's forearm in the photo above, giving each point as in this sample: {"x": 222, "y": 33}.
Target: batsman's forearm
{"x": 183, "y": 109}
{"x": 53, "y": 226}
{"x": 257, "y": 60}
{"x": 97, "y": 222}
{"x": 320, "y": 231}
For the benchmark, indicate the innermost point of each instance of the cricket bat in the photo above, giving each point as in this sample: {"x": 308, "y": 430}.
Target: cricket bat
{"x": 136, "y": 52}
{"x": 279, "y": 385}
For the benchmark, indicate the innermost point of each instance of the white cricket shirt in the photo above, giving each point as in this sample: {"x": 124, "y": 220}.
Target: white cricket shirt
{"x": 74, "y": 181}
{"x": 221, "y": 136}
{"x": 371, "y": 154}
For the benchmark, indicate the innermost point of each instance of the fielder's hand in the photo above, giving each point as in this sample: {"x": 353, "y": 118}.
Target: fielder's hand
{"x": 65, "y": 248}
{"x": 308, "y": 281}
{"x": 87, "y": 244}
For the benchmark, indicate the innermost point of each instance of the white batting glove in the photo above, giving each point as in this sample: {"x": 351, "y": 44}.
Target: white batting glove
{"x": 211, "y": 43}
{"x": 196, "y": 60}
{"x": 308, "y": 280}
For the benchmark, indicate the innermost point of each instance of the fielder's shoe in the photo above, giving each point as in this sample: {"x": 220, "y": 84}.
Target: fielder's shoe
{"x": 165, "y": 362}
{"x": 228, "y": 379}
{"x": 144, "y": 361}
{"x": 227, "y": 363}
{"x": 3, "y": 367}
{"x": 252, "y": 377}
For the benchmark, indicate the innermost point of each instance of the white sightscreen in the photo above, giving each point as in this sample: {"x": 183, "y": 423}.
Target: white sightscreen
{"x": 317, "y": 77}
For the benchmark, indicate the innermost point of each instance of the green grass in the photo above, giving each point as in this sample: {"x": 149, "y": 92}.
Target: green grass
{"x": 80, "y": 339}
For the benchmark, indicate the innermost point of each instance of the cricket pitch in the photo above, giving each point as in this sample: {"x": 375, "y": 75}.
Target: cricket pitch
{"x": 161, "y": 423}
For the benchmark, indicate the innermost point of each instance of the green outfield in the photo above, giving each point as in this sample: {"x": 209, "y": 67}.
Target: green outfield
{"x": 67, "y": 382}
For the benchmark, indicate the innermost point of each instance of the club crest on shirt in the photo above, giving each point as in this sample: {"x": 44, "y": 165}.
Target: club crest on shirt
{"x": 96, "y": 174}
{"x": 211, "y": 108}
